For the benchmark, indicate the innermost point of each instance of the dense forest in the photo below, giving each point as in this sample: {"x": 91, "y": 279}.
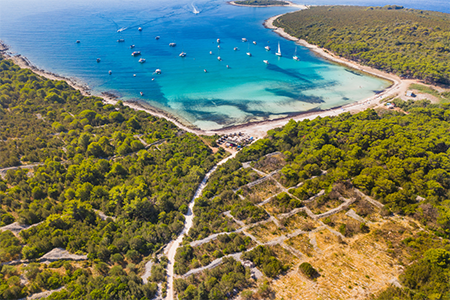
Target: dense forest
{"x": 410, "y": 43}
{"x": 108, "y": 181}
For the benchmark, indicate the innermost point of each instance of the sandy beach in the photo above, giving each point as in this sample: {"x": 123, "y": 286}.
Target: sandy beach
{"x": 255, "y": 129}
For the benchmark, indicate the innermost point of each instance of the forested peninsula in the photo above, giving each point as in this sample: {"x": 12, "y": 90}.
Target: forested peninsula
{"x": 407, "y": 42}
{"x": 261, "y": 3}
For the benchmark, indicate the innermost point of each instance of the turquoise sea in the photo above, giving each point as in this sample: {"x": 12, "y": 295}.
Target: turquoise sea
{"x": 247, "y": 90}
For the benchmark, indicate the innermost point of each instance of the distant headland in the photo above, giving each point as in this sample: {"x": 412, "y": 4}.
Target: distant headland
{"x": 262, "y": 3}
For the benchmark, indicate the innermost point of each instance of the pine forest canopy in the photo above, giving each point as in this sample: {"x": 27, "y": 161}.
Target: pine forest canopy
{"x": 410, "y": 43}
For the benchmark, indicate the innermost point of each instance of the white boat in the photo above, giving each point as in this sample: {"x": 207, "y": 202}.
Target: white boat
{"x": 131, "y": 46}
{"x": 158, "y": 71}
{"x": 157, "y": 37}
{"x": 235, "y": 49}
{"x": 244, "y": 39}
{"x": 142, "y": 94}
{"x": 295, "y": 57}
{"x": 249, "y": 54}
{"x": 98, "y": 59}
{"x": 172, "y": 45}
{"x": 218, "y": 46}
{"x": 134, "y": 75}
{"x": 140, "y": 28}
{"x": 218, "y": 41}
{"x": 228, "y": 66}
{"x": 204, "y": 70}
{"x": 219, "y": 58}
{"x": 109, "y": 72}
{"x": 182, "y": 54}
{"x": 254, "y": 42}
{"x": 267, "y": 48}
{"x": 266, "y": 62}
{"x": 210, "y": 52}
{"x": 136, "y": 53}
{"x": 142, "y": 60}
{"x": 279, "y": 50}
{"x": 121, "y": 29}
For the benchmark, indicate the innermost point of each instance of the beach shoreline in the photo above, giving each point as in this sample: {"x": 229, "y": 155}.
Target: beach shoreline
{"x": 290, "y": 4}
{"x": 258, "y": 129}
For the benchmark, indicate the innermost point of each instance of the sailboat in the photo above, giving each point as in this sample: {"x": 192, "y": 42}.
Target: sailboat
{"x": 279, "y": 50}
{"x": 295, "y": 57}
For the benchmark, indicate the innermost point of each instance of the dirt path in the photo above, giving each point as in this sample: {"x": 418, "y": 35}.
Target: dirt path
{"x": 171, "y": 249}
{"x": 5, "y": 170}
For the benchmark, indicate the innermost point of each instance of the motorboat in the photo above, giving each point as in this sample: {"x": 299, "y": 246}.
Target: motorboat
{"x": 266, "y": 62}
{"x": 157, "y": 37}
{"x": 158, "y": 71}
{"x": 131, "y": 46}
{"x": 140, "y": 28}
{"x": 142, "y": 60}
{"x": 219, "y": 58}
{"x": 182, "y": 54}
{"x": 78, "y": 41}
{"x": 136, "y": 53}
{"x": 244, "y": 39}
{"x": 109, "y": 72}
{"x": 172, "y": 44}
{"x": 267, "y": 48}
{"x": 254, "y": 42}
{"x": 204, "y": 70}
{"x": 120, "y": 40}
{"x": 228, "y": 66}
{"x": 249, "y": 54}
{"x": 98, "y": 59}
{"x": 210, "y": 52}
{"x": 218, "y": 46}
{"x": 235, "y": 49}
{"x": 142, "y": 94}
{"x": 218, "y": 41}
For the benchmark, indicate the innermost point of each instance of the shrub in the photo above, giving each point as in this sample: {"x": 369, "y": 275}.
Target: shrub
{"x": 308, "y": 270}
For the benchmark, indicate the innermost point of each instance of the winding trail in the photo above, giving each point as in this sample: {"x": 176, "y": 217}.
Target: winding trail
{"x": 171, "y": 249}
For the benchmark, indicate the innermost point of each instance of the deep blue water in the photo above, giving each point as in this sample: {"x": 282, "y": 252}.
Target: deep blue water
{"x": 248, "y": 90}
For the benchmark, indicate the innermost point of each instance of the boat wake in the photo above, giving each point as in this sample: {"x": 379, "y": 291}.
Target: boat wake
{"x": 195, "y": 9}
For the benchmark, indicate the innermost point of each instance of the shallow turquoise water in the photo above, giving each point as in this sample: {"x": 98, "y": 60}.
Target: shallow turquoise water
{"x": 248, "y": 90}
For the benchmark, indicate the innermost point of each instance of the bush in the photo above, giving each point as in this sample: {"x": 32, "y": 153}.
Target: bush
{"x": 308, "y": 270}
